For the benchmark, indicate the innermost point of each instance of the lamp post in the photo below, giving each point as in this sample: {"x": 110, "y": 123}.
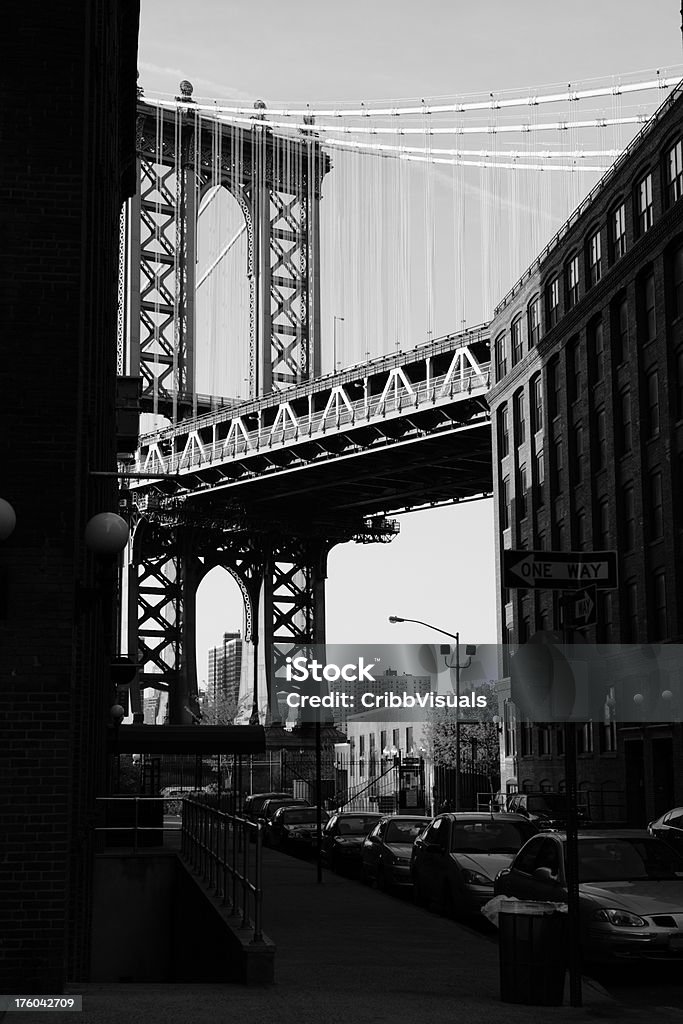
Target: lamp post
{"x": 456, "y": 637}
{"x": 334, "y": 341}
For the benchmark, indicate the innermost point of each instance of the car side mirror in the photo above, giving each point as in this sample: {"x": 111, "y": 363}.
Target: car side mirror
{"x": 545, "y": 875}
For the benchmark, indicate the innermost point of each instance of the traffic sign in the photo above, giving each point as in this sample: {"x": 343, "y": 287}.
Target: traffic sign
{"x": 579, "y": 608}
{"x": 559, "y": 570}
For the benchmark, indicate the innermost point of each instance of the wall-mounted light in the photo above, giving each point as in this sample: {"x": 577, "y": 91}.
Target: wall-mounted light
{"x": 116, "y": 714}
{"x": 8, "y": 519}
{"x": 106, "y": 533}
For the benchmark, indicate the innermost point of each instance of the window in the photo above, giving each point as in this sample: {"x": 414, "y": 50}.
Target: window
{"x": 659, "y": 595}
{"x": 676, "y": 271}
{"x": 605, "y": 631}
{"x": 620, "y": 328}
{"x": 559, "y": 465}
{"x": 647, "y": 320}
{"x": 520, "y": 417}
{"x": 534, "y": 322}
{"x": 600, "y": 439}
{"x": 539, "y": 475}
{"x": 584, "y": 737}
{"x": 372, "y": 755}
{"x": 594, "y": 259}
{"x": 505, "y": 503}
{"x": 581, "y": 530}
{"x": 631, "y": 612}
{"x": 544, "y": 746}
{"x": 409, "y": 740}
{"x": 603, "y": 525}
{"x": 625, "y": 422}
{"x": 629, "y": 520}
{"x": 536, "y": 404}
{"x": 652, "y": 386}
{"x": 674, "y": 173}
{"x": 579, "y": 454}
{"x": 523, "y": 483}
{"x": 596, "y": 350}
{"x": 644, "y": 211}
{"x": 618, "y": 231}
{"x": 608, "y": 736}
{"x": 552, "y": 301}
{"x": 526, "y": 737}
{"x": 394, "y": 738}
{"x": 499, "y": 356}
{"x": 510, "y": 735}
{"x": 679, "y": 384}
{"x": 656, "y": 520}
{"x": 572, "y": 281}
{"x": 503, "y": 431}
{"x": 574, "y": 382}
{"x": 553, "y": 372}
{"x": 516, "y": 335}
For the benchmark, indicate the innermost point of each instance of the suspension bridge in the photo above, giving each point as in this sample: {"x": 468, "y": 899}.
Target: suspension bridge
{"x": 259, "y": 452}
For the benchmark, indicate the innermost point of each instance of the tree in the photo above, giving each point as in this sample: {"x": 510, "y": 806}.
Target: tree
{"x": 479, "y": 745}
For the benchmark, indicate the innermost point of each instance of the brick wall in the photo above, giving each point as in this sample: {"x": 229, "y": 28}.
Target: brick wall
{"x": 66, "y": 167}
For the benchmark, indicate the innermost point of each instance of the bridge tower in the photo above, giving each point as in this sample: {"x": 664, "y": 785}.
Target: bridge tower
{"x": 276, "y": 180}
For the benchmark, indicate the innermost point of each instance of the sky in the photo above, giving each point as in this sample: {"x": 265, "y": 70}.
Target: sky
{"x": 441, "y": 567}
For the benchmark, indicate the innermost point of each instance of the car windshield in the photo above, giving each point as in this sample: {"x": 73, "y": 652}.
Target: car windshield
{"x": 403, "y": 831}
{"x": 547, "y": 803}
{"x": 627, "y": 860}
{"x": 491, "y": 836}
{"x": 302, "y": 816}
{"x": 356, "y": 826}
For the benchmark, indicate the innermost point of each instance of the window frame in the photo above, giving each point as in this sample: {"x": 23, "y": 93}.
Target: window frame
{"x": 644, "y": 211}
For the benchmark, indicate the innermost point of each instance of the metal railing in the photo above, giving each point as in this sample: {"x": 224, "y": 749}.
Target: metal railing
{"x": 219, "y": 847}
{"x": 140, "y": 816}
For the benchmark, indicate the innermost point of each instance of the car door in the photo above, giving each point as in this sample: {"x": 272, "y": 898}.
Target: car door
{"x": 672, "y": 830}
{"x": 433, "y": 856}
{"x": 547, "y": 878}
{"x": 372, "y": 851}
{"x": 518, "y": 879}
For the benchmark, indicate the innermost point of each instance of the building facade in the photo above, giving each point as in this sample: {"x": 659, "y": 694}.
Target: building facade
{"x": 587, "y": 415}
{"x": 225, "y": 670}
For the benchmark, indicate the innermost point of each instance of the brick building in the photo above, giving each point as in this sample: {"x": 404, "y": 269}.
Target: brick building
{"x": 587, "y": 410}
{"x": 68, "y": 164}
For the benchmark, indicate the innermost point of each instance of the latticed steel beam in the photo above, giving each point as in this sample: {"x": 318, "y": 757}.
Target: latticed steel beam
{"x": 276, "y": 181}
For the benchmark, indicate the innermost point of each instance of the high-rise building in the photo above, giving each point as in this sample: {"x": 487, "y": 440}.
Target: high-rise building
{"x": 225, "y": 670}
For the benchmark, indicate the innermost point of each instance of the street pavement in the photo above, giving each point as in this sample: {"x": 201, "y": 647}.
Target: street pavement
{"x": 347, "y": 953}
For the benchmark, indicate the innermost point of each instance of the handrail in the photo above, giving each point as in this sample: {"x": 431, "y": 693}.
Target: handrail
{"x": 218, "y": 845}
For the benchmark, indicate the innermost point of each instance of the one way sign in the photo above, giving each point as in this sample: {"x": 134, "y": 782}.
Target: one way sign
{"x": 559, "y": 570}
{"x": 579, "y": 608}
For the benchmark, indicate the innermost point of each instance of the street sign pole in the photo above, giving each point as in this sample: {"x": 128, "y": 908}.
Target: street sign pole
{"x": 572, "y": 856}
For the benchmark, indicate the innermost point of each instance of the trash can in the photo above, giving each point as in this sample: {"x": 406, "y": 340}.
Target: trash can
{"x": 533, "y": 952}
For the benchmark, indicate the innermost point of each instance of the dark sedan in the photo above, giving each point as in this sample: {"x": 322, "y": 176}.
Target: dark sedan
{"x": 456, "y": 859}
{"x": 669, "y": 827}
{"x": 385, "y": 855}
{"x": 343, "y": 838}
{"x": 294, "y": 828}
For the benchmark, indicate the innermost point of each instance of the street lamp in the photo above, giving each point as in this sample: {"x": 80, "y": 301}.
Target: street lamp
{"x": 334, "y": 341}
{"x": 470, "y": 650}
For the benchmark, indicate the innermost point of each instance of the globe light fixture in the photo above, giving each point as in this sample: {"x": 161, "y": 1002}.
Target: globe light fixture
{"x": 8, "y": 519}
{"x": 106, "y": 533}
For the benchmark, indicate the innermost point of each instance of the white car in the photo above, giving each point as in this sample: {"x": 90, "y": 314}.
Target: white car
{"x": 630, "y": 891}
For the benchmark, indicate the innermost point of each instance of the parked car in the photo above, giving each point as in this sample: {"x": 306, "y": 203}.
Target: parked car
{"x": 174, "y": 796}
{"x": 255, "y": 801}
{"x": 294, "y": 828}
{"x": 545, "y": 810}
{"x": 386, "y": 852}
{"x": 630, "y": 891}
{"x": 669, "y": 827}
{"x": 343, "y": 838}
{"x": 456, "y": 859}
{"x": 265, "y": 814}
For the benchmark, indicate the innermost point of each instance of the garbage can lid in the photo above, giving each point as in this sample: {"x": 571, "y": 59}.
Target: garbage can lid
{"x": 530, "y": 908}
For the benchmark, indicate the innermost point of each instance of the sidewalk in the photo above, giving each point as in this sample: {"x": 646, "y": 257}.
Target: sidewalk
{"x": 347, "y": 954}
